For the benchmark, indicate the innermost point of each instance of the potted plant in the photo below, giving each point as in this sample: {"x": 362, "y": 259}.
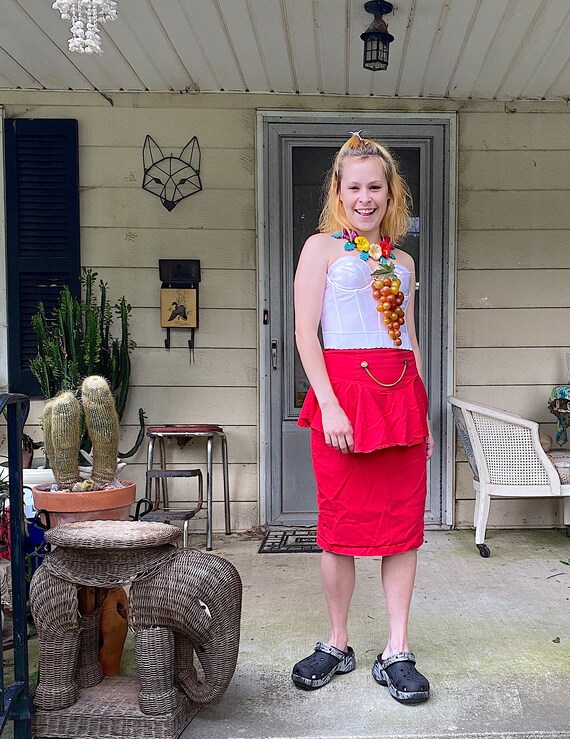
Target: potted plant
{"x": 72, "y": 498}
{"x": 76, "y": 341}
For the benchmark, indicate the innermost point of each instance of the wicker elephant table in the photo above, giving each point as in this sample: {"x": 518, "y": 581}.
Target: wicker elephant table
{"x": 182, "y": 602}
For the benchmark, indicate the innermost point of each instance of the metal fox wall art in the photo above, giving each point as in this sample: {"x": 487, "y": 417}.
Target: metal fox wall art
{"x": 171, "y": 178}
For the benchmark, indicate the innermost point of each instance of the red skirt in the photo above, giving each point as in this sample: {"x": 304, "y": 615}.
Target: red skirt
{"x": 372, "y": 502}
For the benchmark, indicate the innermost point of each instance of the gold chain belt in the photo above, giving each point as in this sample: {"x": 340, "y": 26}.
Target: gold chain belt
{"x": 364, "y": 366}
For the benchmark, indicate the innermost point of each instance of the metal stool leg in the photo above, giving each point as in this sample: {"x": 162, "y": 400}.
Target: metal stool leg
{"x": 209, "y": 506}
{"x": 200, "y": 490}
{"x": 226, "y": 485}
{"x": 163, "y": 480}
{"x": 149, "y": 466}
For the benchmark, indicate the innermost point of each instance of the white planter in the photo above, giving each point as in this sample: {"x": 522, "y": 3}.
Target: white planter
{"x": 40, "y": 475}
{"x": 36, "y": 475}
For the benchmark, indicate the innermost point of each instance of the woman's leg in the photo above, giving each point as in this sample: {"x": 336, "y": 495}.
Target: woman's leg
{"x": 337, "y": 577}
{"x": 334, "y": 656}
{"x": 392, "y": 668}
{"x": 398, "y": 575}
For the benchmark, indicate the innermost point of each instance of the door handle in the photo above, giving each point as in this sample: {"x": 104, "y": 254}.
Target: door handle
{"x": 274, "y": 354}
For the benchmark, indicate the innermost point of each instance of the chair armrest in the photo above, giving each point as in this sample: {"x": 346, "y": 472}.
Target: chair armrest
{"x": 488, "y": 410}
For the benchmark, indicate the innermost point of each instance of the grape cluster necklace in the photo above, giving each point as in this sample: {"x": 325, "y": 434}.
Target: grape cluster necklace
{"x": 385, "y": 281}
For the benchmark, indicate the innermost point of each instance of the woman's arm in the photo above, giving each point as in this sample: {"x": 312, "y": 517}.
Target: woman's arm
{"x": 310, "y": 280}
{"x": 411, "y": 324}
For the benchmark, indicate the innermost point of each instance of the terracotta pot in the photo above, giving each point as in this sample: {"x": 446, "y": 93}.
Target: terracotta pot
{"x": 93, "y": 505}
{"x": 113, "y": 628}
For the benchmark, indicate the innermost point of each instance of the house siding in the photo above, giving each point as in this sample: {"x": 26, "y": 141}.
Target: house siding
{"x": 513, "y": 263}
{"x": 513, "y": 259}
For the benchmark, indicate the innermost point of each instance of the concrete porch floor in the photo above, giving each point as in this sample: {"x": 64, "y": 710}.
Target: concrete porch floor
{"x": 492, "y": 635}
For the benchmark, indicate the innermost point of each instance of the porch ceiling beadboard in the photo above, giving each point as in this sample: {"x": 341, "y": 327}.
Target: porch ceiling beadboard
{"x": 483, "y": 49}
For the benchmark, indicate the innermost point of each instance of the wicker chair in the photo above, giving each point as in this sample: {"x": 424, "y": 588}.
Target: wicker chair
{"x": 506, "y": 459}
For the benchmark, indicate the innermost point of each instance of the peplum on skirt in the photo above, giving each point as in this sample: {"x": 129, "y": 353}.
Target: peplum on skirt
{"x": 371, "y": 502}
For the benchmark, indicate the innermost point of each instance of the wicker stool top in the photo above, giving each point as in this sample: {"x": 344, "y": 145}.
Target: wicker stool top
{"x": 112, "y": 534}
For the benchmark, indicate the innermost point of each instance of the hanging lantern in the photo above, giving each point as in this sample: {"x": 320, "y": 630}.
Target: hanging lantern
{"x": 376, "y": 37}
{"x": 85, "y": 15}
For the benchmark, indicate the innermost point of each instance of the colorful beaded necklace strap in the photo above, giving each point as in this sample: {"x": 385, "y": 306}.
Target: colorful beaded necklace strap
{"x": 385, "y": 281}
{"x": 379, "y": 252}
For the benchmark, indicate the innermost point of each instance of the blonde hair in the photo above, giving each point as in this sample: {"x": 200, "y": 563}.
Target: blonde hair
{"x": 395, "y": 223}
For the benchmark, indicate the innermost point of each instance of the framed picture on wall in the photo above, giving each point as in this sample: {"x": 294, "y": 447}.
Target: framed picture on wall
{"x": 178, "y": 307}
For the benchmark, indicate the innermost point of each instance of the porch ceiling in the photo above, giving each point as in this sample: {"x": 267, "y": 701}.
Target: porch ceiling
{"x": 483, "y": 49}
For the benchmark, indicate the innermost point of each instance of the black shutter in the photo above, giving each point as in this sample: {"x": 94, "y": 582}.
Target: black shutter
{"x": 42, "y": 231}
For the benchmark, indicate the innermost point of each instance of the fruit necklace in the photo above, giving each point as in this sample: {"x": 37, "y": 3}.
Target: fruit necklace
{"x": 385, "y": 281}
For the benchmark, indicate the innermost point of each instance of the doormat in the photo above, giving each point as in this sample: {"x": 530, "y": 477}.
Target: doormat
{"x": 289, "y": 541}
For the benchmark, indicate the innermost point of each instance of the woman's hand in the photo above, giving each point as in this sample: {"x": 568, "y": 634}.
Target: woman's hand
{"x": 429, "y": 444}
{"x": 337, "y": 429}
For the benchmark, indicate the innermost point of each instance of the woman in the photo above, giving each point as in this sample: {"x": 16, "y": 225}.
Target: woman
{"x": 367, "y": 407}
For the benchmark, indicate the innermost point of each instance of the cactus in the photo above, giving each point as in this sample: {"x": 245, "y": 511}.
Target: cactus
{"x": 102, "y": 426}
{"x": 64, "y": 417}
{"x": 47, "y": 428}
{"x": 76, "y": 341}
{"x": 62, "y": 423}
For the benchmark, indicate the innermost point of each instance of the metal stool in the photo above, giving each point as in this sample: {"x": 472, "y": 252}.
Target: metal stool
{"x": 183, "y": 434}
{"x": 165, "y": 513}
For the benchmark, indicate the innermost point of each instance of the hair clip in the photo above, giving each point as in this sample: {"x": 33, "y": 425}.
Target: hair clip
{"x": 357, "y": 133}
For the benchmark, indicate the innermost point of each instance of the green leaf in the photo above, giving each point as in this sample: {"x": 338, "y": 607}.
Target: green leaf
{"x": 385, "y": 270}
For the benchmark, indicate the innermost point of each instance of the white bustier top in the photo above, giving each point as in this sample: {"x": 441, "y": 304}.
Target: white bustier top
{"x": 349, "y": 319}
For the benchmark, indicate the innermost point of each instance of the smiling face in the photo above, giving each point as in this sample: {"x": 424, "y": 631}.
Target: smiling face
{"x": 364, "y": 194}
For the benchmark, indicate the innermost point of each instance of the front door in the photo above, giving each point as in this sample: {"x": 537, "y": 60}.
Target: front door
{"x": 297, "y": 152}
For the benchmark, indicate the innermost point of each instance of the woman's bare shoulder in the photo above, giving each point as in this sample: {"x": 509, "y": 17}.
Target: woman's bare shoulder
{"x": 319, "y": 246}
{"x": 403, "y": 258}
{"x": 319, "y": 240}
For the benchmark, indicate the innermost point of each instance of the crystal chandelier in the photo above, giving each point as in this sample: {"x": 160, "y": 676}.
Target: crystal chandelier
{"x": 85, "y": 16}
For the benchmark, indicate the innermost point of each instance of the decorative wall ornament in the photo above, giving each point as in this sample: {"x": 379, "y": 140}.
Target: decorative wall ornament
{"x": 179, "y": 297}
{"x": 85, "y": 15}
{"x": 171, "y": 178}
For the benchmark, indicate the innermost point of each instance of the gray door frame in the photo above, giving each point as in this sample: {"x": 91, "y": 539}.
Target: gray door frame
{"x": 277, "y": 131}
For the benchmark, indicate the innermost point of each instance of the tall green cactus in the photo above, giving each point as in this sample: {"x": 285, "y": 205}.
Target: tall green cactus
{"x": 76, "y": 342}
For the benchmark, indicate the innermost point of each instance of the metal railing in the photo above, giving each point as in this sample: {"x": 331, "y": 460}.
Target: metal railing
{"x": 16, "y": 700}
